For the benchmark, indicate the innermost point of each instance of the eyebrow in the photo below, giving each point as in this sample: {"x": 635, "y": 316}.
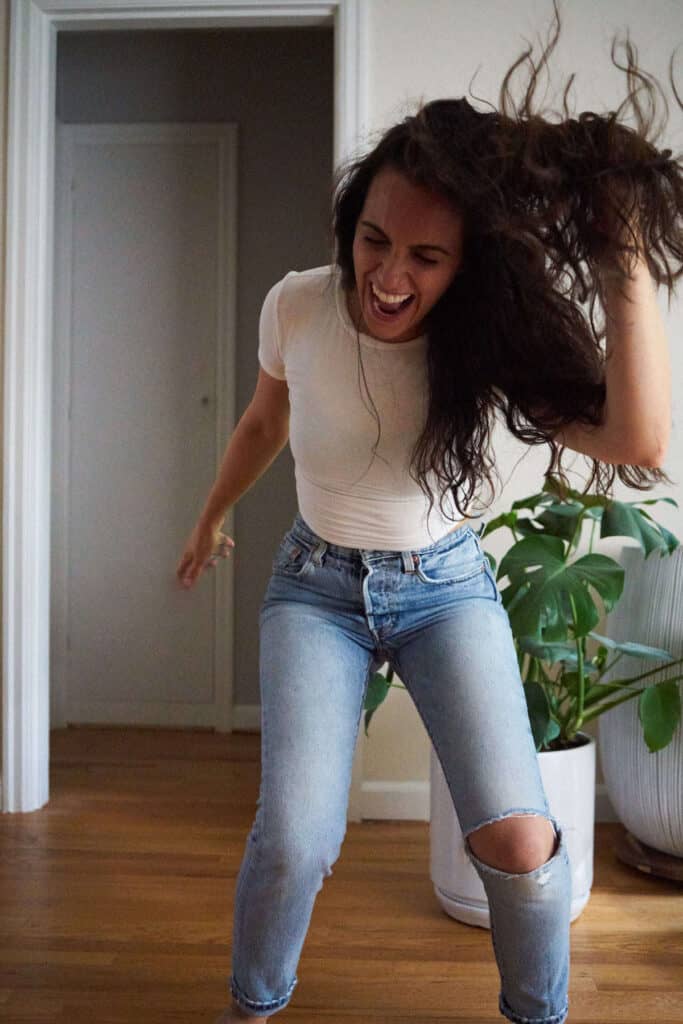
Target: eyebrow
{"x": 422, "y": 245}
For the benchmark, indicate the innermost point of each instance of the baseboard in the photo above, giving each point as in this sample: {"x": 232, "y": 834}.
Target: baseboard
{"x": 394, "y": 801}
{"x": 246, "y": 717}
{"x": 409, "y": 801}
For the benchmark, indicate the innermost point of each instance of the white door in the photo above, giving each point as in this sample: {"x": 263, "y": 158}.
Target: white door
{"x": 143, "y": 402}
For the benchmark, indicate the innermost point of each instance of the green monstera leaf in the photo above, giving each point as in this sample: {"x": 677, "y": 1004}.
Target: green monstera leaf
{"x": 544, "y": 728}
{"x": 543, "y": 586}
{"x": 504, "y": 519}
{"x": 623, "y": 519}
{"x": 659, "y": 710}
{"x": 634, "y": 649}
{"x": 518, "y": 524}
{"x": 551, "y": 653}
{"x": 541, "y": 498}
{"x": 378, "y": 688}
{"x": 561, "y": 520}
{"x": 552, "y": 486}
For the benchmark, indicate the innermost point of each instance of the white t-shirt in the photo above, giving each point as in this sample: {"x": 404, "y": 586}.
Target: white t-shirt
{"x": 347, "y": 497}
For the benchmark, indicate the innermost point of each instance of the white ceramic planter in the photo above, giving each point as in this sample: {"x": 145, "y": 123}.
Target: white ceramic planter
{"x": 569, "y": 782}
{"x": 646, "y": 789}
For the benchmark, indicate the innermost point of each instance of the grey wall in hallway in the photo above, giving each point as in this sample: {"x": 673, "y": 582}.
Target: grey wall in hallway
{"x": 278, "y": 85}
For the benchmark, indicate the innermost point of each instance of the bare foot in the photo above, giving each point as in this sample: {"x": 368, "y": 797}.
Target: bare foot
{"x": 236, "y": 1015}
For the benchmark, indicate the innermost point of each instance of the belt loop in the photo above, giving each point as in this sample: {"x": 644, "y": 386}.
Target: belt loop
{"x": 409, "y": 561}
{"x": 319, "y": 551}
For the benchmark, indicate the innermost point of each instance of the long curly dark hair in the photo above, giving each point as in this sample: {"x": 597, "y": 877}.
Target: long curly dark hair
{"x": 548, "y": 215}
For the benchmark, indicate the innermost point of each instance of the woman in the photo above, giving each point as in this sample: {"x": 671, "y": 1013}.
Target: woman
{"x": 451, "y": 238}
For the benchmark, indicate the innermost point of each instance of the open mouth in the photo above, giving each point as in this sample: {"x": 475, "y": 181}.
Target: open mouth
{"x": 388, "y": 311}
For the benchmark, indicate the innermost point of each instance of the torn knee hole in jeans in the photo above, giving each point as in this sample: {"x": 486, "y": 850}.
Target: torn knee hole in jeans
{"x": 540, "y": 873}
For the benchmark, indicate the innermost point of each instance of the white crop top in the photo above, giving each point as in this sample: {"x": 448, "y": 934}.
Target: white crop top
{"x": 347, "y": 496}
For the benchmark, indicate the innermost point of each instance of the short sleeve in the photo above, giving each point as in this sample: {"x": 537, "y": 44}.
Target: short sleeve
{"x": 269, "y": 347}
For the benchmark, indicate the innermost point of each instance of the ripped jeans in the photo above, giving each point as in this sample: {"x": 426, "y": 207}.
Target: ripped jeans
{"x": 331, "y": 616}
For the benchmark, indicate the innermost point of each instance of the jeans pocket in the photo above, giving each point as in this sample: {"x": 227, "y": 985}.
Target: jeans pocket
{"x": 492, "y": 580}
{"x": 292, "y": 558}
{"x": 489, "y": 572}
{"x": 462, "y": 562}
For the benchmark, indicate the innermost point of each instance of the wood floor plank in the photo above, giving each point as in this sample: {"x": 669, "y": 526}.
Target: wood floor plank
{"x": 116, "y": 905}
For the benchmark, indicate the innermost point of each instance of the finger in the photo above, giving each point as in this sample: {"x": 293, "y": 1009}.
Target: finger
{"x": 189, "y": 575}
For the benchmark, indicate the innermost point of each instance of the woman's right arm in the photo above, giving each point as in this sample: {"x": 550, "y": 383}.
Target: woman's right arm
{"x": 259, "y": 437}
{"x": 257, "y": 440}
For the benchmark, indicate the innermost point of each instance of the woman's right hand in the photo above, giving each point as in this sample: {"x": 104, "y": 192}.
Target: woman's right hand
{"x": 205, "y": 545}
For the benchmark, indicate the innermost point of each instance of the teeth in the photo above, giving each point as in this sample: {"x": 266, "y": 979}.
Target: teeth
{"x": 386, "y": 297}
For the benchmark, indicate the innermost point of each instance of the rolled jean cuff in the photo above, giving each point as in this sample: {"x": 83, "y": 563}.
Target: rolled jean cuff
{"x": 260, "y": 1008}
{"x": 555, "y": 1018}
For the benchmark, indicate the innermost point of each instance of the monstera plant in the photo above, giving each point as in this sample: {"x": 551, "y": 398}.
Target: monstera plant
{"x": 551, "y": 605}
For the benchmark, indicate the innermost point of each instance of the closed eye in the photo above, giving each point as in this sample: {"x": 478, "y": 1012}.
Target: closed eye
{"x": 380, "y": 241}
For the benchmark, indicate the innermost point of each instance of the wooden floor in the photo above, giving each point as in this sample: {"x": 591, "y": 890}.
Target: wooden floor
{"x": 116, "y": 905}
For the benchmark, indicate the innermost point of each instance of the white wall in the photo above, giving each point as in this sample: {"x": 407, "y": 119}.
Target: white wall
{"x": 433, "y": 49}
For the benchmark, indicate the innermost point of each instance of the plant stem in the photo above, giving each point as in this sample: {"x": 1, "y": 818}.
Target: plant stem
{"x": 566, "y": 732}
{"x": 596, "y": 712}
{"x": 621, "y": 700}
{"x": 660, "y": 668}
{"x": 607, "y": 668}
{"x": 581, "y": 678}
{"x": 613, "y": 687}
{"x": 577, "y": 529}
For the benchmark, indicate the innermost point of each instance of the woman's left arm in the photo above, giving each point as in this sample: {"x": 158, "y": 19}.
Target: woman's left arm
{"x": 637, "y": 421}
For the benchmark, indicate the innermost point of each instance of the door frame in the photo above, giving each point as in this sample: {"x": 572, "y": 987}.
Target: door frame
{"x": 27, "y": 443}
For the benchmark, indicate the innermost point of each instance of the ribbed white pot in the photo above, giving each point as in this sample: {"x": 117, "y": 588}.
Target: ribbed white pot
{"x": 646, "y": 789}
{"x": 569, "y": 782}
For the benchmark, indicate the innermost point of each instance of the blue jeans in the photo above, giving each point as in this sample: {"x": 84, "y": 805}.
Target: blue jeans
{"x": 330, "y": 617}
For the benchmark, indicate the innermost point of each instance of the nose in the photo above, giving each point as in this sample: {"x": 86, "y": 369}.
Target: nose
{"x": 392, "y": 273}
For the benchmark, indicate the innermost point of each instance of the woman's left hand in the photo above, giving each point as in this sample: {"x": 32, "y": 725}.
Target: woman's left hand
{"x": 609, "y": 225}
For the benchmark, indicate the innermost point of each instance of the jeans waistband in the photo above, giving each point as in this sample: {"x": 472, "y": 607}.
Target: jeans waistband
{"x": 300, "y": 530}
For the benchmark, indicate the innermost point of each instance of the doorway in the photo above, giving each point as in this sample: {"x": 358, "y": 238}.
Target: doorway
{"x": 186, "y": 184}
{"x": 29, "y": 329}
